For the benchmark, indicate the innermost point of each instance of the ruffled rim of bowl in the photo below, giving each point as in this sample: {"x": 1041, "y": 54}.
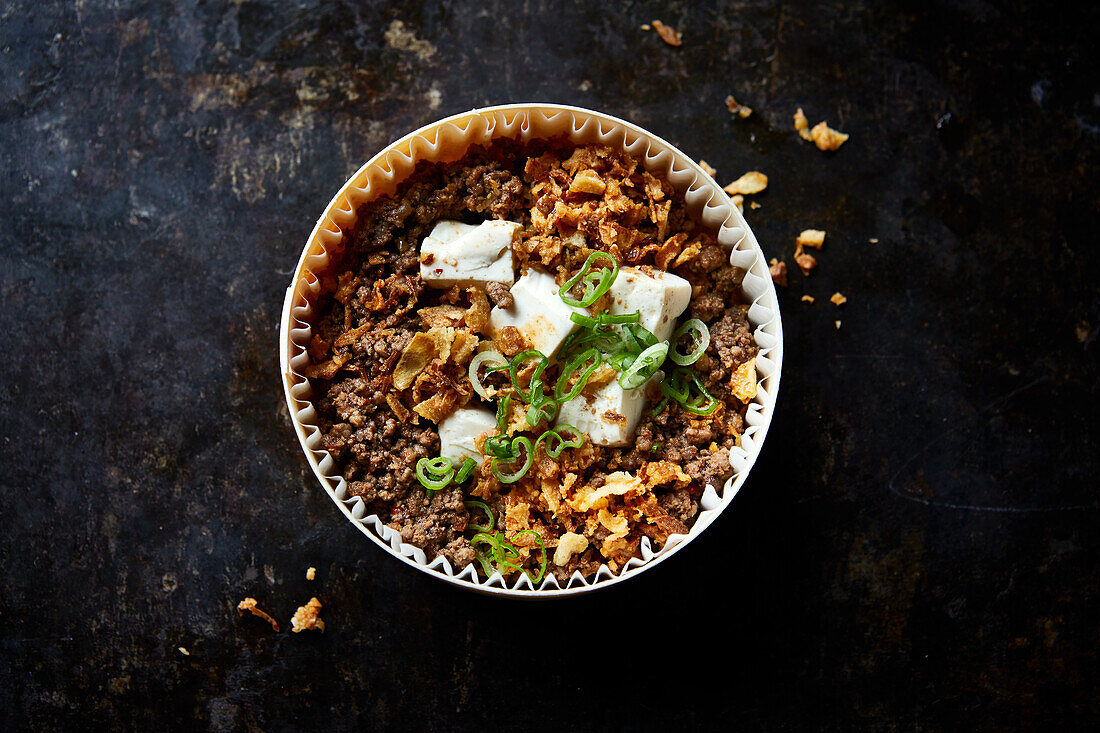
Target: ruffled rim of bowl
{"x": 448, "y": 140}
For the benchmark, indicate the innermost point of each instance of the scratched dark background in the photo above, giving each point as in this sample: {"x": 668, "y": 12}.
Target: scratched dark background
{"x": 915, "y": 550}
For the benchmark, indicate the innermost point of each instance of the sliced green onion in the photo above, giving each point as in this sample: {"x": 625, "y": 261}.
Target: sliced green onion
{"x": 595, "y": 285}
{"x": 510, "y": 477}
{"x": 434, "y": 473}
{"x": 660, "y": 406}
{"x": 606, "y": 319}
{"x": 563, "y": 442}
{"x": 575, "y": 441}
{"x": 675, "y": 386}
{"x": 700, "y": 337}
{"x": 542, "y": 546}
{"x": 642, "y": 368}
{"x": 495, "y": 360}
{"x": 567, "y": 371}
{"x": 644, "y": 336}
{"x": 499, "y": 446}
{"x": 501, "y": 552}
{"x": 464, "y": 472}
{"x": 586, "y": 321}
{"x": 517, "y": 362}
{"x": 472, "y": 504}
{"x": 502, "y": 413}
{"x": 543, "y": 407}
{"x": 483, "y": 538}
{"x": 703, "y": 404}
{"x": 679, "y": 387}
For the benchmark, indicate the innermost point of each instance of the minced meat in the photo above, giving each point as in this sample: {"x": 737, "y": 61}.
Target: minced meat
{"x": 368, "y": 315}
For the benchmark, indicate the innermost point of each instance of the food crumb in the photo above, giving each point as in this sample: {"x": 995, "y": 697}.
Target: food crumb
{"x": 750, "y": 183}
{"x": 307, "y": 618}
{"x": 708, "y": 168}
{"x": 808, "y": 238}
{"x": 778, "y": 271}
{"x": 802, "y": 125}
{"x": 838, "y": 299}
{"x": 668, "y": 34}
{"x": 646, "y": 27}
{"x": 807, "y": 299}
{"x": 736, "y": 108}
{"x": 821, "y": 135}
{"x": 826, "y": 138}
{"x": 249, "y": 604}
{"x": 753, "y": 205}
{"x": 837, "y": 325}
{"x": 1082, "y": 329}
{"x": 811, "y": 238}
{"x": 873, "y": 240}
{"x": 804, "y": 261}
{"x": 184, "y": 652}
{"x": 311, "y": 573}
{"x": 738, "y": 201}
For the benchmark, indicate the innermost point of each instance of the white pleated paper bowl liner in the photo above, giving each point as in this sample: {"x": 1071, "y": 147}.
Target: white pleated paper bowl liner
{"x": 448, "y": 140}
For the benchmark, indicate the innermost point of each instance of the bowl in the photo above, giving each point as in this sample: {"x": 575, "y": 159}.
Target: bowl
{"x": 447, "y": 140}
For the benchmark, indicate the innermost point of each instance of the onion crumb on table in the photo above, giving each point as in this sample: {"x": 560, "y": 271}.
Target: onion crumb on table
{"x": 307, "y": 618}
{"x": 750, "y": 183}
{"x": 249, "y": 605}
{"x": 668, "y": 34}
{"x": 778, "y": 272}
{"x": 736, "y": 108}
{"x": 824, "y": 137}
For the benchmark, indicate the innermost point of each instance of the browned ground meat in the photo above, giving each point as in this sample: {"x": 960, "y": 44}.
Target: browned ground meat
{"x": 500, "y": 295}
{"x": 368, "y": 315}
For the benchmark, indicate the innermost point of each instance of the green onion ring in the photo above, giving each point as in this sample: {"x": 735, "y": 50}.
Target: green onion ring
{"x": 499, "y": 446}
{"x": 567, "y": 371}
{"x": 679, "y": 388}
{"x": 700, "y": 335}
{"x": 474, "y": 504}
{"x": 542, "y": 546}
{"x": 434, "y": 473}
{"x": 648, "y": 362}
{"x": 598, "y": 288}
{"x": 543, "y": 408}
{"x": 513, "y": 476}
{"x": 563, "y": 442}
{"x": 486, "y": 539}
{"x": 675, "y": 387}
{"x": 496, "y": 361}
{"x": 517, "y": 361}
{"x": 551, "y": 452}
{"x": 643, "y": 335}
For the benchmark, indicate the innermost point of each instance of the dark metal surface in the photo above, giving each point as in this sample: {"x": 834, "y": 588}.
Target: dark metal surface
{"x": 915, "y": 550}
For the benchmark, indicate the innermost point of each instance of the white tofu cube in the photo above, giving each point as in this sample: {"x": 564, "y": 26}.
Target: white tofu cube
{"x": 459, "y": 431}
{"x": 610, "y": 418}
{"x": 660, "y": 298}
{"x": 538, "y": 312}
{"x": 467, "y": 254}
